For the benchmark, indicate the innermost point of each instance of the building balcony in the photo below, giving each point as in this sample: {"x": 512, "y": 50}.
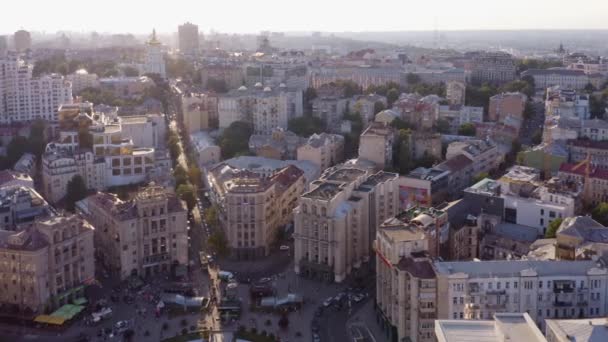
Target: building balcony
{"x": 471, "y": 306}
{"x": 563, "y": 289}
{"x": 495, "y": 292}
{"x": 495, "y": 306}
{"x": 582, "y": 303}
{"x": 562, "y": 303}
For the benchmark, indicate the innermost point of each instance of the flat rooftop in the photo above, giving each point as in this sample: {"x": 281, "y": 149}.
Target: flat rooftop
{"x": 346, "y": 175}
{"x": 325, "y": 191}
{"x": 513, "y": 268}
{"x": 588, "y": 329}
{"x": 504, "y": 327}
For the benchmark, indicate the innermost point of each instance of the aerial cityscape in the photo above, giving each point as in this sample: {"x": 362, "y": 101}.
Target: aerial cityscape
{"x": 247, "y": 177}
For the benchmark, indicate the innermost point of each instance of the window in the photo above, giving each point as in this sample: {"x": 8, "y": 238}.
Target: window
{"x": 542, "y": 212}
{"x": 540, "y": 284}
{"x": 552, "y": 214}
{"x": 507, "y": 284}
{"x": 542, "y": 222}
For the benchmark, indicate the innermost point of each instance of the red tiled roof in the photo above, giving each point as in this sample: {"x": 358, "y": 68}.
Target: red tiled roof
{"x": 595, "y": 172}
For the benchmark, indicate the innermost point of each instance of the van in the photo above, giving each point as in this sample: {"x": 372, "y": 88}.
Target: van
{"x": 225, "y": 275}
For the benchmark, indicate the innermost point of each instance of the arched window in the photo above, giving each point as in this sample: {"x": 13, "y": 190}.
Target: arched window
{"x": 56, "y": 237}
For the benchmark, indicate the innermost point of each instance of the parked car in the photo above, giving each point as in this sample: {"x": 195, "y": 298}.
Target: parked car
{"x": 284, "y": 248}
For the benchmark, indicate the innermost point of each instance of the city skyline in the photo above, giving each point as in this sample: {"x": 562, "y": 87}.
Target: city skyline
{"x": 337, "y": 16}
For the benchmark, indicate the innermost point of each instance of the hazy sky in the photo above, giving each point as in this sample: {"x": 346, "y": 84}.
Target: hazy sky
{"x": 240, "y": 16}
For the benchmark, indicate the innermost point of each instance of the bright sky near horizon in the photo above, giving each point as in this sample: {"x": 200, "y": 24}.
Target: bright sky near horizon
{"x": 251, "y": 16}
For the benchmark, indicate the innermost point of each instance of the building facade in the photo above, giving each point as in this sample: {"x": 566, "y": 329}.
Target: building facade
{"x": 144, "y": 236}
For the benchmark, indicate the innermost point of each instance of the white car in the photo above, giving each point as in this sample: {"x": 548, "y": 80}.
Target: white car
{"x": 284, "y": 248}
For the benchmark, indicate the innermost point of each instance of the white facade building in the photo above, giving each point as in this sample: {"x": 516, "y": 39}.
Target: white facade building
{"x": 24, "y": 98}
{"x": 154, "y": 60}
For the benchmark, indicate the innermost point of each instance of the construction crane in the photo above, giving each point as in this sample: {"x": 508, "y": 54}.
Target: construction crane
{"x": 587, "y": 163}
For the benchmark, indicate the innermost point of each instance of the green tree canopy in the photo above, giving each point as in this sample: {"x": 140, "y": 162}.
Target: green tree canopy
{"x": 600, "y": 213}
{"x": 37, "y": 139}
{"x": 76, "y": 191}
{"x": 211, "y": 216}
{"x": 306, "y": 125}
{"x": 412, "y": 79}
{"x": 186, "y": 193}
{"x": 467, "y": 129}
{"x": 391, "y": 96}
{"x": 553, "y": 227}
{"x": 378, "y": 107}
{"x": 235, "y": 139}
{"x": 443, "y": 126}
{"x": 218, "y": 242}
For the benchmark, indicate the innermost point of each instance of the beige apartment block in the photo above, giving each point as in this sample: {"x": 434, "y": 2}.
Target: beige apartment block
{"x": 45, "y": 264}
{"x": 376, "y": 144}
{"x": 144, "y": 236}
{"x": 334, "y": 225}
{"x": 253, "y": 208}
{"x": 323, "y": 149}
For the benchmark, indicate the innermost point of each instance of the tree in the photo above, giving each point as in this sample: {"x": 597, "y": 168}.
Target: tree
{"x": 412, "y": 79}
{"x": 194, "y": 175}
{"x": 537, "y": 138}
{"x": 378, "y": 107}
{"x": 402, "y": 152}
{"x": 211, "y": 217}
{"x": 186, "y": 193}
{"x": 37, "y": 141}
{"x": 235, "y": 139}
{"x": 520, "y": 86}
{"x": 480, "y": 177}
{"x": 130, "y": 71}
{"x": 600, "y": 213}
{"x": 528, "y": 110}
{"x": 217, "y": 85}
{"x": 467, "y": 129}
{"x": 553, "y": 227}
{"x": 218, "y": 242}
{"x": 76, "y": 191}
{"x": 306, "y": 125}
{"x": 443, "y": 126}
{"x": 309, "y": 95}
{"x": 181, "y": 175}
{"x": 85, "y": 138}
{"x": 15, "y": 149}
{"x": 392, "y": 96}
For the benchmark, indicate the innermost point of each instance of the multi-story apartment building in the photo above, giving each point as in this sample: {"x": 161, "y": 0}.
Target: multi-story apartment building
{"x": 364, "y": 76}
{"x": 199, "y": 111}
{"x": 143, "y": 236}
{"x": 562, "y": 77}
{"x": 252, "y": 208}
{"x": 457, "y": 115}
{"x": 455, "y": 92}
{"x": 280, "y": 144}
{"x": 406, "y": 299}
{"x": 322, "y": 149}
{"x": 566, "y": 104}
{"x": 460, "y": 170}
{"x": 434, "y": 75}
{"x": 188, "y": 39}
{"x": 21, "y": 204}
{"x": 335, "y": 221}
{"x": 24, "y": 98}
{"x": 532, "y": 203}
{"x": 206, "y": 150}
{"x": 107, "y": 158}
{"x": 580, "y": 237}
{"x": 596, "y": 190}
{"x": 483, "y": 153}
{"x": 126, "y": 87}
{"x": 366, "y": 106}
{"x": 594, "y": 129}
{"x": 420, "y": 112}
{"x": 376, "y": 144}
{"x": 424, "y": 187}
{"x": 581, "y": 149}
{"x": 44, "y": 264}
{"x": 503, "y": 327}
{"x": 264, "y": 107}
{"x": 507, "y": 106}
{"x": 81, "y": 79}
{"x": 22, "y": 40}
{"x": 492, "y": 67}
{"x": 231, "y": 75}
{"x": 330, "y": 109}
{"x": 154, "y": 60}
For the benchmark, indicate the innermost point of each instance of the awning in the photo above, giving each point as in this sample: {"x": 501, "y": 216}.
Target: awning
{"x": 68, "y": 311}
{"x": 49, "y": 320}
{"x": 80, "y": 301}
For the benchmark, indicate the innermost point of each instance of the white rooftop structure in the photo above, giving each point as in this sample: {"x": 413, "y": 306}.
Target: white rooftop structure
{"x": 505, "y": 327}
{"x": 577, "y": 330}
{"x": 267, "y": 166}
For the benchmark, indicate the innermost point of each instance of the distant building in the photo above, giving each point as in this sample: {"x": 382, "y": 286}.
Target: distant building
{"x": 144, "y": 236}
{"x": 199, "y": 111}
{"x": 23, "y": 41}
{"x": 45, "y": 264}
{"x": 508, "y": 106}
{"x": 458, "y": 115}
{"x": 424, "y": 187}
{"x": 26, "y": 164}
{"x": 567, "y": 104}
{"x": 492, "y": 67}
{"x": 188, "y": 39}
{"x": 376, "y": 144}
{"x": 20, "y": 204}
{"x": 24, "y": 98}
{"x": 81, "y": 79}
{"x": 562, "y": 77}
{"x": 597, "y": 190}
{"x": 154, "y": 62}
{"x": 420, "y": 112}
{"x": 280, "y": 144}
{"x": 580, "y": 238}
{"x": 365, "y": 105}
{"x": 207, "y": 151}
{"x": 483, "y": 153}
{"x": 230, "y": 75}
{"x": 455, "y": 92}
{"x": 126, "y": 87}
{"x": 264, "y": 107}
{"x": 323, "y": 149}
